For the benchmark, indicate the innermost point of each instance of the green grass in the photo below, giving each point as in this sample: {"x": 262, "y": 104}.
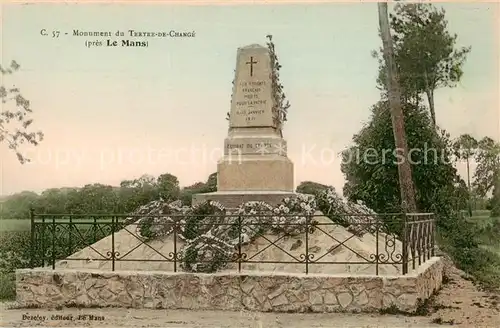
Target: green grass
{"x": 14, "y": 225}
{"x": 482, "y": 218}
{"x": 7, "y": 286}
{"x": 492, "y": 248}
{"x": 481, "y": 213}
{"x": 489, "y": 240}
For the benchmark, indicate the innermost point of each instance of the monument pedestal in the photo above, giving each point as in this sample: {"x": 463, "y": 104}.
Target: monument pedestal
{"x": 255, "y": 172}
{"x": 244, "y": 178}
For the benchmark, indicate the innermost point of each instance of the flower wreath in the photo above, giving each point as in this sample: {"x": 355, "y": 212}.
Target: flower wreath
{"x": 144, "y": 209}
{"x": 291, "y": 215}
{"x": 338, "y": 209}
{"x": 250, "y": 220}
{"x": 206, "y": 250}
{"x": 202, "y": 218}
{"x": 215, "y": 247}
{"x": 170, "y": 218}
{"x": 206, "y": 253}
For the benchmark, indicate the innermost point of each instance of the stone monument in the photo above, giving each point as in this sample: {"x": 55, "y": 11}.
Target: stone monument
{"x": 255, "y": 166}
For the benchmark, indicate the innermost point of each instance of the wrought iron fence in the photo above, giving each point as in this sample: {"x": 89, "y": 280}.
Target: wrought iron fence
{"x": 405, "y": 240}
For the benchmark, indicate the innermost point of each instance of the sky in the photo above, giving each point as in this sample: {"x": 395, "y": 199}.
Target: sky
{"x": 114, "y": 113}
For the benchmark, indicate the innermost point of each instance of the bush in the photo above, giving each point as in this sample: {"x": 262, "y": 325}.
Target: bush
{"x": 460, "y": 240}
{"x": 489, "y": 205}
{"x": 481, "y": 263}
{"x": 16, "y": 252}
{"x": 7, "y": 285}
{"x": 311, "y": 188}
{"x": 489, "y": 233}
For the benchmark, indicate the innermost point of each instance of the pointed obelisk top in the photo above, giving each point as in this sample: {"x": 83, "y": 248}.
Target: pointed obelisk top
{"x": 252, "y": 103}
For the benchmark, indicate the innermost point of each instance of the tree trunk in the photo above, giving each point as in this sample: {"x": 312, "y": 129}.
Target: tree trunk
{"x": 469, "y": 201}
{"x": 495, "y": 200}
{"x": 404, "y": 169}
{"x": 430, "y": 99}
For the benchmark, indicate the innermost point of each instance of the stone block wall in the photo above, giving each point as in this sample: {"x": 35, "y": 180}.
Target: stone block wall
{"x": 236, "y": 291}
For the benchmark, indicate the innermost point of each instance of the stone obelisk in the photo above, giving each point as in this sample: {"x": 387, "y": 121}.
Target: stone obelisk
{"x": 255, "y": 166}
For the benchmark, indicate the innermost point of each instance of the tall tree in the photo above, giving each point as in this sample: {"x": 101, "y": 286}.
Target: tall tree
{"x": 487, "y": 174}
{"x": 17, "y": 206}
{"x": 495, "y": 199}
{"x": 465, "y": 147}
{"x": 138, "y": 192}
{"x": 374, "y": 179}
{"x": 425, "y": 52}
{"x": 168, "y": 186}
{"x": 15, "y": 121}
{"x": 212, "y": 182}
{"x": 93, "y": 199}
{"x": 394, "y": 92}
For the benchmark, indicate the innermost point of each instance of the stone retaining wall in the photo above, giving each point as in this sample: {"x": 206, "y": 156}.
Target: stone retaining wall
{"x": 235, "y": 291}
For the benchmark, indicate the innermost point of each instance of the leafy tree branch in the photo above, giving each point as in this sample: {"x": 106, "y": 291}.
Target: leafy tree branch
{"x": 425, "y": 53}
{"x": 15, "y": 123}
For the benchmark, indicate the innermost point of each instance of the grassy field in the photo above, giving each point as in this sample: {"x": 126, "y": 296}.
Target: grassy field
{"x": 489, "y": 240}
{"x": 482, "y": 218}
{"x": 14, "y": 225}
{"x": 492, "y": 248}
{"x": 24, "y": 225}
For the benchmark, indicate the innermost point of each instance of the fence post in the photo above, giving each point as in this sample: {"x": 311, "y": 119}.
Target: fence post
{"x": 70, "y": 235}
{"x": 94, "y": 229}
{"x": 433, "y": 234}
{"x": 239, "y": 242}
{"x": 112, "y": 243}
{"x": 377, "y": 251}
{"x": 404, "y": 242}
{"x": 32, "y": 237}
{"x": 307, "y": 243}
{"x": 42, "y": 241}
{"x": 175, "y": 244}
{"x": 53, "y": 242}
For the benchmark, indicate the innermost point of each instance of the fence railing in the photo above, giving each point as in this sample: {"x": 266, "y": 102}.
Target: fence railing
{"x": 402, "y": 240}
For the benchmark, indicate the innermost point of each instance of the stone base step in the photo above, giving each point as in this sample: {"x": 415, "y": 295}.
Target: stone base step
{"x": 232, "y": 199}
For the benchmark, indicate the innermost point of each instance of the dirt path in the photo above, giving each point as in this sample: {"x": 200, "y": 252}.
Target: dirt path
{"x": 459, "y": 303}
{"x": 204, "y": 319}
